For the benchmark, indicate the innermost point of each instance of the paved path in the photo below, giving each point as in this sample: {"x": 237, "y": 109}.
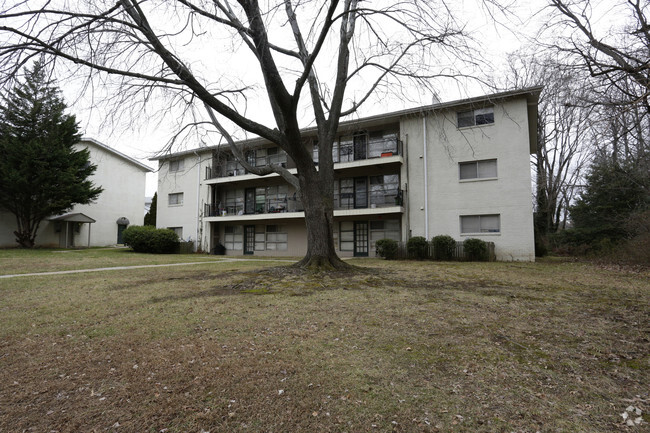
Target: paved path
{"x": 121, "y": 268}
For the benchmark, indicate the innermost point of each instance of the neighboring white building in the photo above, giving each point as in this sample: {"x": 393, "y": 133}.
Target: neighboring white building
{"x": 460, "y": 168}
{"x": 99, "y": 223}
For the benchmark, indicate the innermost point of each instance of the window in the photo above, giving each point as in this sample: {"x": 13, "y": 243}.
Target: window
{"x": 480, "y": 224}
{"x": 178, "y": 231}
{"x": 175, "y": 199}
{"x": 234, "y": 237}
{"x": 386, "y": 229}
{"x": 177, "y": 165}
{"x": 383, "y": 190}
{"x": 485, "y": 169}
{"x": 382, "y": 143}
{"x": 480, "y": 116}
{"x": 276, "y": 238}
{"x": 346, "y": 237}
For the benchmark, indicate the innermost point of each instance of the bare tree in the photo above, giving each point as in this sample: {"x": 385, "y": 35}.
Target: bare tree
{"x": 563, "y": 134}
{"x": 302, "y": 50}
{"x": 618, "y": 58}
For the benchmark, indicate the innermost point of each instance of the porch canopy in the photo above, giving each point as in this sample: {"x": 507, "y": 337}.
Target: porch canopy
{"x": 74, "y": 218}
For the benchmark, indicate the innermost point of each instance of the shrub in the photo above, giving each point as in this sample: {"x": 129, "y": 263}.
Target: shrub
{"x": 417, "y": 247}
{"x": 475, "y": 249}
{"x": 386, "y": 248}
{"x": 148, "y": 239}
{"x": 443, "y": 247}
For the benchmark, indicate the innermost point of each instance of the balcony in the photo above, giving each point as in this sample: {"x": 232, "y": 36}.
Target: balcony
{"x": 345, "y": 204}
{"x": 232, "y": 167}
{"x": 385, "y": 152}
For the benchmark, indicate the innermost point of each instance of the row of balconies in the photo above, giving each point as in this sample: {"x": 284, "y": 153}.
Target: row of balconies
{"x": 342, "y": 201}
{"x": 370, "y": 149}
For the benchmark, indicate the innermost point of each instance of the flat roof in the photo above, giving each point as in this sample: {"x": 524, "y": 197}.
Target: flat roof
{"x": 531, "y": 94}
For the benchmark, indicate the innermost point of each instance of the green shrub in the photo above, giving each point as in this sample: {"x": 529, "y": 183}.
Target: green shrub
{"x": 386, "y": 248}
{"x": 148, "y": 239}
{"x": 417, "y": 248}
{"x": 475, "y": 249}
{"x": 443, "y": 247}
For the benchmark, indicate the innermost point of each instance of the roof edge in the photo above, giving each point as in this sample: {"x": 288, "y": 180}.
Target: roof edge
{"x": 116, "y": 153}
{"x": 531, "y": 93}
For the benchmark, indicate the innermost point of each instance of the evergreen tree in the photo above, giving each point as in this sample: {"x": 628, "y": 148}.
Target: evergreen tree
{"x": 41, "y": 173}
{"x": 614, "y": 191}
{"x": 150, "y": 217}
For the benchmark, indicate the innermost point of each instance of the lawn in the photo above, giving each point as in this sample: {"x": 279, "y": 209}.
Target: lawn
{"x": 401, "y": 346}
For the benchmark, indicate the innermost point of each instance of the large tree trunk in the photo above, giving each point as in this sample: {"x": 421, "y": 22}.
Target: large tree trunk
{"x": 317, "y": 198}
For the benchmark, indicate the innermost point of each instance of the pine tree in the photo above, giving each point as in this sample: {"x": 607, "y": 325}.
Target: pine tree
{"x": 150, "y": 217}
{"x": 41, "y": 173}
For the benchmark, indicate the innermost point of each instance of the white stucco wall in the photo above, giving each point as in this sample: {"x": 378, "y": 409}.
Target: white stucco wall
{"x": 123, "y": 196}
{"x": 190, "y": 182}
{"x": 448, "y": 198}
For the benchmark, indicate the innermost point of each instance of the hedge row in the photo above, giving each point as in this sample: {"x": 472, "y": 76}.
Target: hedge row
{"x": 444, "y": 248}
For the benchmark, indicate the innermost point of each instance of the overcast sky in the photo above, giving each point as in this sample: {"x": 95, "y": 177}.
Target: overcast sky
{"x": 141, "y": 139}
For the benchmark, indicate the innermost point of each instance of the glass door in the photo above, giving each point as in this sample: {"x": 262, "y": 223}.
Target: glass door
{"x": 361, "y": 239}
{"x": 249, "y": 201}
{"x": 360, "y": 192}
{"x": 249, "y": 239}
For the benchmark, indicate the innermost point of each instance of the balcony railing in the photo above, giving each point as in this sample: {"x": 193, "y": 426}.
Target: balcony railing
{"x": 372, "y": 149}
{"x": 234, "y": 168}
{"x": 342, "y": 201}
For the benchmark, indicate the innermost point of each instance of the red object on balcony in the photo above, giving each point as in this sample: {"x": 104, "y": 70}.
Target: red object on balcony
{"x": 386, "y": 154}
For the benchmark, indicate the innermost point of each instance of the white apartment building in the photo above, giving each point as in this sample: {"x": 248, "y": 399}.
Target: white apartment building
{"x": 101, "y": 222}
{"x": 459, "y": 168}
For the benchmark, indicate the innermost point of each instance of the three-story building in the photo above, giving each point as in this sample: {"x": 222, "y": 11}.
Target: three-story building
{"x": 460, "y": 168}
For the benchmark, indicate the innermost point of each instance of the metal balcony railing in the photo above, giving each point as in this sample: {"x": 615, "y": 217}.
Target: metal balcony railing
{"x": 272, "y": 206}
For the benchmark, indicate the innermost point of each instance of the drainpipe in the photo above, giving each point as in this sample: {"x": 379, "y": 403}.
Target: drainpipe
{"x": 198, "y": 199}
{"x": 426, "y": 177}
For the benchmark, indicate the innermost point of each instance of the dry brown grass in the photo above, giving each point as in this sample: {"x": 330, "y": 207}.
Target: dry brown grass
{"x": 407, "y": 346}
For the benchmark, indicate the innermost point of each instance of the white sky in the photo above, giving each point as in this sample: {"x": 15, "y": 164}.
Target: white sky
{"x": 141, "y": 139}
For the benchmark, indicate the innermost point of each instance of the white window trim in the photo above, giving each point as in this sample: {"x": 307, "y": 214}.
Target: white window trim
{"x": 476, "y": 234}
{"x": 180, "y": 194}
{"x": 474, "y": 113}
{"x": 478, "y": 179}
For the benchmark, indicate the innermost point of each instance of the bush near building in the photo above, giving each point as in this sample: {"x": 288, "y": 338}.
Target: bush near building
{"x": 417, "y": 248}
{"x": 475, "y": 249}
{"x": 386, "y": 248}
{"x": 443, "y": 247}
{"x": 148, "y": 239}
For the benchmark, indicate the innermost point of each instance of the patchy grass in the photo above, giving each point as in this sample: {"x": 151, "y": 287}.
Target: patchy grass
{"x": 25, "y": 261}
{"x": 407, "y": 346}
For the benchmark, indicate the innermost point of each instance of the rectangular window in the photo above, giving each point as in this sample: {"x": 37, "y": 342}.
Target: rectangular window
{"x": 276, "y": 238}
{"x": 385, "y": 229}
{"x": 383, "y": 190}
{"x": 178, "y": 231}
{"x": 346, "y": 236}
{"x": 480, "y": 116}
{"x": 175, "y": 199}
{"x": 176, "y": 165}
{"x": 485, "y": 169}
{"x": 234, "y": 237}
{"x": 480, "y": 224}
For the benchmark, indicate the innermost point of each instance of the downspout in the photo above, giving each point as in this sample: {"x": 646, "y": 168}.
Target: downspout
{"x": 426, "y": 177}
{"x": 198, "y": 200}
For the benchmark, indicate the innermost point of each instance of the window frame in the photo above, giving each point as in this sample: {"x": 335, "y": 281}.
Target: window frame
{"x": 177, "y": 195}
{"x": 481, "y": 231}
{"x": 180, "y": 165}
{"x": 483, "y": 116}
{"x": 478, "y": 177}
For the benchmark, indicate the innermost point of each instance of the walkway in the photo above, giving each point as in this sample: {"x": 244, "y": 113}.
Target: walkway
{"x": 121, "y": 268}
